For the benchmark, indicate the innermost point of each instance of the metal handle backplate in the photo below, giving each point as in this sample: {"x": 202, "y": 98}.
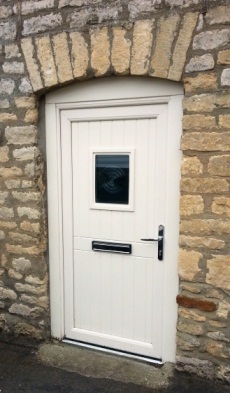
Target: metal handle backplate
{"x": 160, "y": 241}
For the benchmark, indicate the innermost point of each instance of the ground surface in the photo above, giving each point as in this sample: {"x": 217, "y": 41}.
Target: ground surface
{"x": 21, "y": 371}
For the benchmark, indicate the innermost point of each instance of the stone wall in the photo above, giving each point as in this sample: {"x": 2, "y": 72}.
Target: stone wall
{"x": 48, "y": 43}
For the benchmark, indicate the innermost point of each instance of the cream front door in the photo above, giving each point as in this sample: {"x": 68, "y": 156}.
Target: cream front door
{"x": 117, "y": 189}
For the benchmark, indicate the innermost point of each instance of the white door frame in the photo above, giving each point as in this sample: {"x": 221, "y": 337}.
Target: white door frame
{"x": 141, "y": 90}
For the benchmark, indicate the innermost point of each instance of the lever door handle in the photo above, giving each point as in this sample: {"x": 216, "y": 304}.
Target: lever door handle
{"x": 160, "y": 241}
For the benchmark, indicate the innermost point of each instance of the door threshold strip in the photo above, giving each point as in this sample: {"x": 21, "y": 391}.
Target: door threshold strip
{"x": 145, "y": 359}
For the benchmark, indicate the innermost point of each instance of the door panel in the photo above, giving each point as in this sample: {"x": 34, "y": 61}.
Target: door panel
{"x": 114, "y": 300}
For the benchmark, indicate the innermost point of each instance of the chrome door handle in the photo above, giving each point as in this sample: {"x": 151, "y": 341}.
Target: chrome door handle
{"x": 160, "y": 241}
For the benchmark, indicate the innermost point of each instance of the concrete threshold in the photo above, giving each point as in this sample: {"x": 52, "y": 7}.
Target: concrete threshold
{"x": 96, "y": 364}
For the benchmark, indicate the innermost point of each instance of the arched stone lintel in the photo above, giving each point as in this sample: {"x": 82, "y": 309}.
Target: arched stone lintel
{"x": 151, "y": 47}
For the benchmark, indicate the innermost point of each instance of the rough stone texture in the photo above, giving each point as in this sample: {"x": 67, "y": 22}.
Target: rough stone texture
{"x": 80, "y": 56}
{"x": 219, "y": 165}
{"x": 211, "y": 39}
{"x": 21, "y": 135}
{"x": 225, "y": 77}
{"x": 32, "y": 66}
{"x": 201, "y": 242}
{"x": 189, "y": 264}
{"x": 219, "y": 271}
{"x": 142, "y": 43}
{"x": 45, "y": 56}
{"x": 198, "y": 121}
{"x": 191, "y": 204}
{"x": 205, "y": 226}
{"x": 218, "y": 15}
{"x": 202, "y": 141}
{"x": 200, "y": 63}
{"x": 162, "y": 54}
{"x": 221, "y": 205}
{"x": 200, "y": 82}
{"x": 224, "y": 57}
{"x": 204, "y": 185}
{"x": 224, "y": 121}
{"x": 203, "y": 368}
{"x": 14, "y": 67}
{"x": 191, "y": 166}
{"x": 7, "y": 30}
{"x": 120, "y": 55}
{"x": 39, "y": 23}
{"x": 182, "y": 45}
{"x": 28, "y": 7}
{"x": 100, "y": 57}
{"x": 7, "y": 86}
{"x": 62, "y": 59}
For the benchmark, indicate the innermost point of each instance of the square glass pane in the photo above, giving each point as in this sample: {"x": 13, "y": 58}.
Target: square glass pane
{"x": 112, "y": 178}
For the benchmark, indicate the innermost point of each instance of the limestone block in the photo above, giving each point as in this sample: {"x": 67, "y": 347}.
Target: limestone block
{"x": 191, "y": 204}
{"x": 224, "y": 57}
{"x": 142, "y": 44}
{"x": 200, "y": 103}
{"x": 2, "y": 235}
{"x": 200, "y": 82}
{"x": 8, "y": 30}
{"x": 224, "y": 373}
{"x": 202, "y": 368}
{"x": 35, "y": 280}
{"x": 6, "y": 213}
{"x": 198, "y": 121}
{"x": 18, "y": 249}
{"x": 166, "y": 31}
{"x": 205, "y": 227}
{"x": 191, "y": 166}
{"x": 120, "y": 55}
{"x": 221, "y": 205}
{"x": 189, "y": 314}
{"x": 27, "y": 288}
{"x": 4, "y": 104}
{"x": 42, "y": 301}
{"x": 137, "y": 7}
{"x": 30, "y": 226}
{"x": 32, "y": 66}
{"x": 4, "y": 154}
{"x": 13, "y": 274}
{"x": 21, "y": 238}
{"x": 80, "y": 18}
{"x": 216, "y": 349}
{"x": 62, "y": 58}
{"x": 190, "y": 328}
{"x": 189, "y": 264}
{"x": 225, "y": 77}
{"x": 21, "y": 265}
{"x": 219, "y": 271}
{"x": 14, "y": 67}
{"x": 5, "y": 11}
{"x": 220, "y": 14}
{"x": 7, "y": 117}
{"x": 218, "y": 336}
{"x": 7, "y": 86}
{"x": 224, "y": 121}
{"x": 7, "y": 294}
{"x": 25, "y": 102}
{"x": 3, "y": 196}
{"x": 100, "y": 57}
{"x": 8, "y": 224}
{"x": 10, "y": 184}
{"x": 26, "y": 330}
{"x": 186, "y": 342}
{"x": 80, "y": 56}
{"x": 10, "y": 172}
{"x": 30, "y": 170}
{"x": 219, "y": 165}
{"x": 31, "y": 116}
{"x": 208, "y": 40}
{"x": 200, "y": 63}
{"x": 26, "y": 196}
{"x": 25, "y": 86}
{"x": 206, "y": 141}
{"x": 182, "y": 45}
{"x": 26, "y": 153}
{"x": 32, "y": 214}
{"x": 204, "y": 185}
{"x": 21, "y": 135}
{"x": 27, "y": 184}
{"x": 28, "y": 7}
{"x": 223, "y": 310}
{"x": 20, "y": 309}
{"x": 40, "y": 23}
{"x": 11, "y": 51}
{"x": 45, "y": 56}
{"x": 201, "y": 242}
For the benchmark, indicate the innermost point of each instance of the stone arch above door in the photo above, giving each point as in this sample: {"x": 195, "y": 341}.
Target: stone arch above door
{"x": 151, "y": 47}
